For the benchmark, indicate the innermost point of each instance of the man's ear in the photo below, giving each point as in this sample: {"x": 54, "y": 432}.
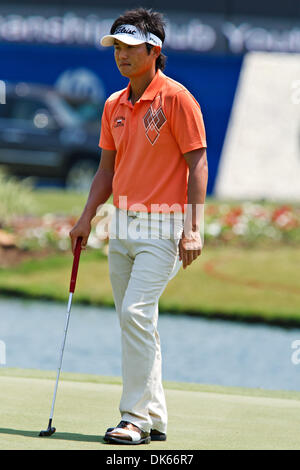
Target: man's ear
{"x": 156, "y": 51}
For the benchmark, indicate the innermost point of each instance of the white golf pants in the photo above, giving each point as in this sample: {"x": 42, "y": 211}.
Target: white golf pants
{"x": 140, "y": 267}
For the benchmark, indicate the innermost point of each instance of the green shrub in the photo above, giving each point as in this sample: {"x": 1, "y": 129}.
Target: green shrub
{"x": 16, "y": 197}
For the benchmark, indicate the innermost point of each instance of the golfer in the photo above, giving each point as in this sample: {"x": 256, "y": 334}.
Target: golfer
{"x": 154, "y": 163}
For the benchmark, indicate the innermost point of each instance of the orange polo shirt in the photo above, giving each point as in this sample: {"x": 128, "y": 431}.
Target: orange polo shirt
{"x": 150, "y": 139}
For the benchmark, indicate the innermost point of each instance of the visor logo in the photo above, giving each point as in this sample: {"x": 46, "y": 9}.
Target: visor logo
{"x": 124, "y": 30}
{"x": 151, "y": 38}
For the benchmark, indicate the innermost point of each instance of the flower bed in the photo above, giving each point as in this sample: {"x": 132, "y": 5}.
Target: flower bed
{"x": 246, "y": 224}
{"x": 49, "y": 231}
{"x": 250, "y": 223}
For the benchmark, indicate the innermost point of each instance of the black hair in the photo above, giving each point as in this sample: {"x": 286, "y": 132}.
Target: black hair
{"x": 146, "y": 21}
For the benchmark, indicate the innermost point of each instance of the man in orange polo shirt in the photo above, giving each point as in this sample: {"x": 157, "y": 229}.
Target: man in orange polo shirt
{"x": 154, "y": 162}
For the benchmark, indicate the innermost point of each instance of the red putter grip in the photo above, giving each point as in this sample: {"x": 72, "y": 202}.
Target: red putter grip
{"x": 75, "y": 264}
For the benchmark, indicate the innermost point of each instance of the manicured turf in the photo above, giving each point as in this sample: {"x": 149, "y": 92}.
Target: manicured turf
{"x": 200, "y": 417}
{"x": 251, "y": 283}
{"x": 256, "y": 283}
{"x": 59, "y": 201}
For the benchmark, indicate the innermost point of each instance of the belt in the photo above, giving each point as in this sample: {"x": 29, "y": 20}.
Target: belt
{"x": 146, "y": 215}
{"x": 153, "y": 215}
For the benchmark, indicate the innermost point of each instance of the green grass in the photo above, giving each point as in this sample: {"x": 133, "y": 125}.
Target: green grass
{"x": 246, "y": 284}
{"x": 258, "y": 283}
{"x": 201, "y": 417}
{"x": 49, "y": 278}
{"x": 59, "y": 201}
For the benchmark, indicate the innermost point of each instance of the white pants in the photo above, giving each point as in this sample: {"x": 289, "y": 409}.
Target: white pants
{"x": 140, "y": 269}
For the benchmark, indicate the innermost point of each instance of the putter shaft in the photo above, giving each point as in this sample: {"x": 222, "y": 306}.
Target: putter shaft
{"x": 50, "y": 430}
{"x": 61, "y": 354}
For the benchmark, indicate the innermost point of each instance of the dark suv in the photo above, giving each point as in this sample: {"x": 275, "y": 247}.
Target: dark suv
{"x": 49, "y": 136}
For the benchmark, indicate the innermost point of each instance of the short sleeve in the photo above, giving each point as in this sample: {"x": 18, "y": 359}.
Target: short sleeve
{"x": 187, "y": 123}
{"x": 106, "y": 139}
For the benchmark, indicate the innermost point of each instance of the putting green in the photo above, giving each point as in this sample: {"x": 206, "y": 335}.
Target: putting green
{"x": 200, "y": 417}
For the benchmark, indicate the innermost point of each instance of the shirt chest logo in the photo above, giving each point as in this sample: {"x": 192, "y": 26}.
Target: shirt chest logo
{"x": 154, "y": 120}
{"x": 119, "y": 121}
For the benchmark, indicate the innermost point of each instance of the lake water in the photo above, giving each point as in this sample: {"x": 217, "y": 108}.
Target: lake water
{"x": 194, "y": 349}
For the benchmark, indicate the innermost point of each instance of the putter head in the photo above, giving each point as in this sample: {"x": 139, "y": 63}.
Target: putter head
{"x": 48, "y": 432}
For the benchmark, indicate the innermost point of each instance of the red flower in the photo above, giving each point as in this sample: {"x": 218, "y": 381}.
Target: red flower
{"x": 233, "y": 215}
{"x": 279, "y": 212}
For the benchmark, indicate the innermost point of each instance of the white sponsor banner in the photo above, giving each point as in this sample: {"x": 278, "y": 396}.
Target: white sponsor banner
{"x": 261, "y": 152}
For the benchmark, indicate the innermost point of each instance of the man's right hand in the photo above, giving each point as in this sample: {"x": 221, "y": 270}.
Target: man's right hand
{"x": 82, "y": 228}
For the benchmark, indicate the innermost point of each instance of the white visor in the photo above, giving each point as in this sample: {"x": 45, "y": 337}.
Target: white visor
{"x": 130, "y": 35}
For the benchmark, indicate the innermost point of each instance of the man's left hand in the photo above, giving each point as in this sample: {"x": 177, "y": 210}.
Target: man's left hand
{"x": 190, "y": 247}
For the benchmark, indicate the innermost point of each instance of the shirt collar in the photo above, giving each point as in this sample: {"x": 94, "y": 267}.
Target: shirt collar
{"x": 151, "y": 90}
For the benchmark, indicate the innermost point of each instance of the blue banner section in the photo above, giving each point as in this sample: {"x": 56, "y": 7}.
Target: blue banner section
{"x": 211, "y": 79}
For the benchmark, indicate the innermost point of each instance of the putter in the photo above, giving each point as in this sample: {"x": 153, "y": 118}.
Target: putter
{"x": 51, "y": 430}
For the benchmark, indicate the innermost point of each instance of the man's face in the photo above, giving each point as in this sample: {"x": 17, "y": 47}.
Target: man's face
{"x": 133, "y": 61}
